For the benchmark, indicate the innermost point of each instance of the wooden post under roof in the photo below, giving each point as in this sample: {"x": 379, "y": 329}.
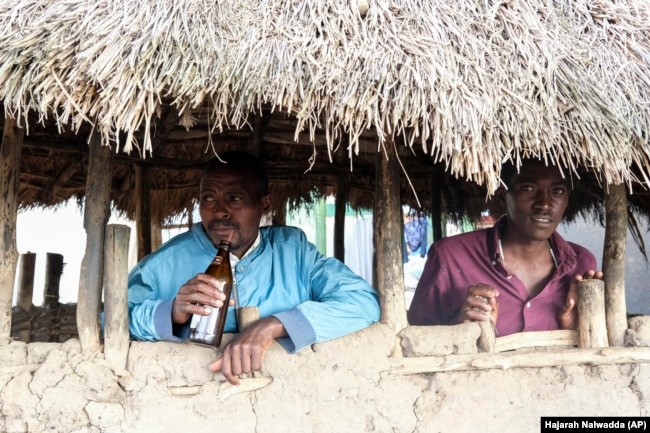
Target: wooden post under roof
{"x": 614, "y": 263}
{"x": 320, "y": 222}
{"x": 387, "y": 228}
{"x": 96, "y": 214}
{"x": 255, "y": 145}
{"x": 143, "y": 209}
{"x": 437, "y": 205}
{"x": 340, "y": 204}
{"x": 342, "y": 192}
{"x": 279, "y": 213}
{"x": 156, "y": 229}
{"x": 10, "y": 151}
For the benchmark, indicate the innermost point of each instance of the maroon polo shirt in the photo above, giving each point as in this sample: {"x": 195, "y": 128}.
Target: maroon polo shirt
{"x": 457, "y": 262}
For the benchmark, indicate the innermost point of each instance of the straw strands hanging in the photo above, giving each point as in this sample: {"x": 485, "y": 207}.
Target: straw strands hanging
{"x": 470, "y": 83}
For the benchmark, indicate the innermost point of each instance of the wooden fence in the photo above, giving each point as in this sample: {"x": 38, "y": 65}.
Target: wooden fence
{"x": 55, "y": 322}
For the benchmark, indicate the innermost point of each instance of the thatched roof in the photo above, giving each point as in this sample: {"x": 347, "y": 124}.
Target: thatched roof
{"x": 459, "y": 85}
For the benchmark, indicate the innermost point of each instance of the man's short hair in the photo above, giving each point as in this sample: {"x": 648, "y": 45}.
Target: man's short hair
{"x": 244, "y": 163}
{"x": 509, "y": 169}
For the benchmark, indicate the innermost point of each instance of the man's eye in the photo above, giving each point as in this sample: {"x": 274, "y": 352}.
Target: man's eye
{"x": 559, "y": 191}
{"x": 207, "y": 199}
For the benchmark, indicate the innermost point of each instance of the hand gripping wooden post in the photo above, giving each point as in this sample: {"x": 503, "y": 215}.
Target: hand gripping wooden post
{"x": 487, "y": 341}
{"x": 592, "y": 326}
{"x": 116, "y": 317}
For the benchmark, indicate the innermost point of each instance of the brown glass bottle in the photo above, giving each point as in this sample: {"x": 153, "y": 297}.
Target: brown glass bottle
{"x": 208, "y": 330}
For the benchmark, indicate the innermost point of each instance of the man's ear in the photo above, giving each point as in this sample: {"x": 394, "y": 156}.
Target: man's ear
{"x": 267, "y": 203}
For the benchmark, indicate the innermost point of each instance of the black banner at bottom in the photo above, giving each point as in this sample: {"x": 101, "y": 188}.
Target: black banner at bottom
{"x": 579, "y": 424}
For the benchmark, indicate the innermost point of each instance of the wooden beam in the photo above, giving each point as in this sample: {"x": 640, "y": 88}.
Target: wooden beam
{"x": 10, "y": 151}
{"x": 521, "y": 340}
{"x": 154, "y": 161}
{"x": 614, "y": 263}
{"x": 96, "y": 214}
{"x": 387, "y": 227}
{"x": 51, "y": 189}
{"x": 523, "y": 359}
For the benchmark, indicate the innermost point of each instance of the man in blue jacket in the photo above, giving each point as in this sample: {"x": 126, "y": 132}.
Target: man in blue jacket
{"x": 302, "y": 296}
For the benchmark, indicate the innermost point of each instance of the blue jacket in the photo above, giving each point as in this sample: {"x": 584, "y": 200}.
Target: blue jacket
{"x": 316, "y": 298}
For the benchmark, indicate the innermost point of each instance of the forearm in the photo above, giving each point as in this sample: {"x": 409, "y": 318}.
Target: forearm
{"x": 151, "y": 321}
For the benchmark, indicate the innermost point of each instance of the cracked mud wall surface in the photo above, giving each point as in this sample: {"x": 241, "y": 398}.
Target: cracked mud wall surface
{"x": 341, "y": 386}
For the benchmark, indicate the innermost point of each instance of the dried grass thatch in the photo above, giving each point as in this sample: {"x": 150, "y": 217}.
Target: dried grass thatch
{"x": 464, "y": 84}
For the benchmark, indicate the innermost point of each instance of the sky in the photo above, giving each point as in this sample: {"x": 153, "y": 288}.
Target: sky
{"x": 60, "y": 231}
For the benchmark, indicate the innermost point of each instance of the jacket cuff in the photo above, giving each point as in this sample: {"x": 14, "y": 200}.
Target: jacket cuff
{"x": 299, "y": 330}
{"x": 163, "y": 323}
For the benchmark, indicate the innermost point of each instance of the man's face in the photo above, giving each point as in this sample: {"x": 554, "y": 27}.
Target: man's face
{"x": 231, "y": 208}
{"x": 536, "y": 201}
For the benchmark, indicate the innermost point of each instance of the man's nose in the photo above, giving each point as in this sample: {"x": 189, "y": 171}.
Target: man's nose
{"x": 543, "y": 199}
{"x": 221, "y": 209}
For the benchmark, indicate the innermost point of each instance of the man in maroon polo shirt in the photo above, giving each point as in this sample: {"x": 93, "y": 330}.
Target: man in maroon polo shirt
{"x": 520, "y": 274}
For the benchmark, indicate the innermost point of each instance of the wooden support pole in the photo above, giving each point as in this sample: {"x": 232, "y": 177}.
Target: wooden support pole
{"x": 190, "y": 219}
{"x": 26, "y": 281}
{"x": 487, "y": 341}
{"x": 247, "y": 316}
{"x": 96, "y": 214}
{"x": 437, "y": 206}
{"x": 614, "y": 263}
{"x": 156, "y": 229}
{"x": 279, "y": 212}
{"x": 342, "y": 191}
{"x": 53, "y": 272}
{"x": 10, "y": 151}
{"x": 26, "y": 290}
{"x": 387, "y": 239}
{"x": 320, "y": 221}
{"x": 591, "y": 314}
{"x": 116, "y": 315}
{"x": 255, "y": 145}
{"x": 156, "y": 234}
{"x": 143, "y": 209}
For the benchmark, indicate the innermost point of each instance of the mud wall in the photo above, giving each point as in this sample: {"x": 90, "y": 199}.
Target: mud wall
{"x": 346, "y": 385}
